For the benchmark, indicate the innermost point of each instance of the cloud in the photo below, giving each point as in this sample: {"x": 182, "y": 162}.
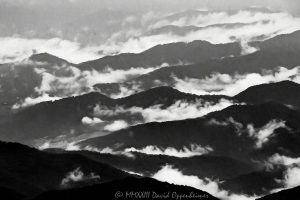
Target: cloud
{"x": 126, "y": 91}
{"x": 283, "y": 160}
{"x": 263, "y": 134}
{"x": 171, "y": 175}
{"x": 185, "y": 152}
{"x": 292, "y": 176}
{"x": 133, "y": 173}
{"x": 116, "y": 125}
{"x": 17, "y": 49}
{"x": 91, "y": 121}
{"x": 78, "y": 176}
{"x": 248, "y": 26}
{"x": 231, "y": 85}
{"x": 74, "y": 82}
{"x": 29, "y": 101}
{"x": 136, "y": 38}
{"x": 178, "y": 111}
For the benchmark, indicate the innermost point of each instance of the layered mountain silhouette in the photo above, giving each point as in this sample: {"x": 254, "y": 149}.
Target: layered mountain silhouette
{"x": 250, "y": 134}
{"x": 63, "y": 116}
{"x": 172, "y": 54}
{"x": 118, "y": 120}
{"x": 273, "y": 53}
{"x": 224, "y": 131}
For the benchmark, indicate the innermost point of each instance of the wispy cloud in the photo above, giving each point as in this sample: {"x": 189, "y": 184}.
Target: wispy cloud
{"x": 178, "y": 111}
{"x": 116, "y": 125}
{"x": 78, "y": 176}
{"x": 172, "y": 175}
{"x": 17, "y": 49}
{"x": 185, "y": 152}
{"x": 263, "y": 134}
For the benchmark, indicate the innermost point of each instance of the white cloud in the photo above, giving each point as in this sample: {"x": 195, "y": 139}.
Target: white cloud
{"x": 126, "y": 91}
{"x": 178, "y": 111}
{"x": 292, "y": 176}
{"x": 263, "y": 134}
{"x": 174, "y": 176}
{"x": 185, "y": 152}
{"x": 283, "y": 160}
{"x": 94, "y": 120}
{"x": 231, "y": 85}
{"x": 116, "y": 125}
{"x": 29, "y": 101}
{"x": 77, "y": 176}
{"x": 17, "y": 49}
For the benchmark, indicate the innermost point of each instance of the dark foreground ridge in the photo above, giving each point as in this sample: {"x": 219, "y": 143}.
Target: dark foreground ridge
{"x": 293, "y": 193}
{"x": 128, "y": 188}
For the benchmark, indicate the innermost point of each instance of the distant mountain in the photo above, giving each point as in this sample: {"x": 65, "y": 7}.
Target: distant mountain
{"x": 173, "y": 54}
{"x": 29, "y": 171}
{"x": 20, "y": 80}
{"x": 17, "y": 81}
{"x": 64, "y": 116}
{"x": 166, "y": 96}
{"x": 278, "y": 51}
{"x": 287, "y": 42}
{"x": 282, "y": 195}
{"x": 224, "y": 131}
{"x": 48, "y": 58}
{"x": 285, "y": 92}
{"x": 109, "y": 190}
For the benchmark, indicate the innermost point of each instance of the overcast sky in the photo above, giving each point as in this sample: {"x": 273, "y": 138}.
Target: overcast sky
{"x": 291, "y": 5}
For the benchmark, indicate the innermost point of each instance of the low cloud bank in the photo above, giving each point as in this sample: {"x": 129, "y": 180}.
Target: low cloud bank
{"x": 231, "y": 85}
{"x": 15, "y": 49}
{"x": 172, "y": 175}
{"x": 185, "y": 152}
{"x": 178, "y": 111}
{"x": 116, "y": 125}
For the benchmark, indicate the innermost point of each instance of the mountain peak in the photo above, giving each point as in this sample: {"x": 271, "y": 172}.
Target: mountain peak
{"x": 48, "y": 58}
{"x": 285, "y": 92}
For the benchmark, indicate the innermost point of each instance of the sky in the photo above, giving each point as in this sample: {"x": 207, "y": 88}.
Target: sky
{"x": 290, "y": 5}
